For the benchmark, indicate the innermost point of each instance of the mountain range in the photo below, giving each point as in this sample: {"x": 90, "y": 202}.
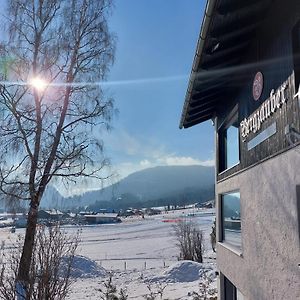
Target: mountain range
{"x": 165, "y": 182}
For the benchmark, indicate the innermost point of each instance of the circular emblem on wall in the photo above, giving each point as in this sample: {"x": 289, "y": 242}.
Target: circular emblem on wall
{"x": 258, "y": 85}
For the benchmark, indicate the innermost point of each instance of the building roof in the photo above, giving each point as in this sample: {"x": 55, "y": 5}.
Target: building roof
{"x": 52, "y": 212}
{"x": 108, "y": 215}
{"x": 227, "y": 29}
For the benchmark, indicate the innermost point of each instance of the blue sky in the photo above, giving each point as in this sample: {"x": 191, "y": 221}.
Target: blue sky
{"x": 156, "y": 46}
{"x": 156, "y": 42}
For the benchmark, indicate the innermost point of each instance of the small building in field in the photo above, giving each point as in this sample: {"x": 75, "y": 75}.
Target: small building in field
{"x": 207, "y": 204}
{"x": 126, "y": 213}
{"x": 152, "y": 211}
{"x": 106, "y": 211}
{"x": 51, "y": 215}
{"x": 102, "y": 219}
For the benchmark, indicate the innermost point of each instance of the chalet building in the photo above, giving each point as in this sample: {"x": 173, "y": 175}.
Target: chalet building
{"x": 245, "y": 79}
{"x": 102, "y": 219}
{"x": 53, "y": 215}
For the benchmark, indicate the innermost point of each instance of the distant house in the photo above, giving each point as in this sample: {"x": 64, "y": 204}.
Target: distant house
{"x": 138, "y": 212}
{"x": 53, "y": 215}
{"x": 68, "y": 215}
{"x": 106, "y": 210}
{"x": 4, "y": 221}
{"x": 83, "y": 213}
{"x": 126, "y": 213}
{"x": 102, "y": 219}
{"x": 152, "y": 211}
{"x": 209, "y": 204}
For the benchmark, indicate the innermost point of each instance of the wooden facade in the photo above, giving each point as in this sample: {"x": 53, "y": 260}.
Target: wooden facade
{"x": 271, "y": 53}
{"x": 285, "y": 118}
{"x": 252, "y": 42}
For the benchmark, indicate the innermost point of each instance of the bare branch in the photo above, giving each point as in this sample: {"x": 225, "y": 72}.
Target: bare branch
{"x": 54, "y": 132}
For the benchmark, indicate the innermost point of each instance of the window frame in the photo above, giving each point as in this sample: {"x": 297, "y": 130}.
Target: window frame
{"x": 229, "y": 290}
{"x": 232, "y": 117}
{"x": 295, "y": 36}
{"x": 221, "y": 238}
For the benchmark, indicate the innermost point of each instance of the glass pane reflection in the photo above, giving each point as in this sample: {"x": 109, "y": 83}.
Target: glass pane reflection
{"x": 232, "y": 146}
{"x": 232, "y": 219}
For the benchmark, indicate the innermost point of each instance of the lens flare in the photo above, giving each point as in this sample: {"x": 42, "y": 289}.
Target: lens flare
{"x": 38, "y": 83}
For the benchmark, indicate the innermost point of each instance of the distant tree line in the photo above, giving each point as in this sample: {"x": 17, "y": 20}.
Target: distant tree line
{"x": 127, "y": 200}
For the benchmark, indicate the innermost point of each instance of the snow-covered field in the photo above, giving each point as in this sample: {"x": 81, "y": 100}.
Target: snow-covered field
{"x": 141, "y": 254}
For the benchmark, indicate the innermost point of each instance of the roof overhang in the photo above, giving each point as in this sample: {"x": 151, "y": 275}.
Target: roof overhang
{"x": 228, "y": 27}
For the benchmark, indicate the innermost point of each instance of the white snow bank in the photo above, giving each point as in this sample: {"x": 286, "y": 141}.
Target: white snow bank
{"x": 186, "y": 271}
{"x": 84, "y": 267}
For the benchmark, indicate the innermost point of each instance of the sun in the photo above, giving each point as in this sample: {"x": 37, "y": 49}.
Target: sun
{"x": 38, "y": 83}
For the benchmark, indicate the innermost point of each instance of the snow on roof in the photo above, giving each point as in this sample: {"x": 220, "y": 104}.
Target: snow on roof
{"x": 109, "y": 215}
{"x": 54, "y": 212}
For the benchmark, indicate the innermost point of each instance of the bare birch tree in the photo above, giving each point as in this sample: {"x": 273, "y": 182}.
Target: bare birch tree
{"x": 52, "y": 106}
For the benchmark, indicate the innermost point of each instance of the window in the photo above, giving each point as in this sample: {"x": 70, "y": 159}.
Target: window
{"x": 231, "y": 292}
{"x": 231, "y": 219}
{"x": 229, "y": 152}
{"x": 296, "y": 53}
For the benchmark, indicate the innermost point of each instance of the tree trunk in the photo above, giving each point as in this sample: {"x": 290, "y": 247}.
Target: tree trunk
{"x": 25, "y": 261}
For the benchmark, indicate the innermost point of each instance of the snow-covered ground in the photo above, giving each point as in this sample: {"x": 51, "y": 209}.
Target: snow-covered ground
{"x": 142, "y": 256}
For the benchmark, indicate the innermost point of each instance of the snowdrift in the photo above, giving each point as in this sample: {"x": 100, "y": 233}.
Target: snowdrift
{"x": 84, "y": 267}
{"x": 186, "y": 271}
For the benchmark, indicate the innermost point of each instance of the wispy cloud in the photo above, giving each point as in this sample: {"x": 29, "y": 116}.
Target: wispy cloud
{"x": 184, "y": 161}
{"x": 132, "y": 154}
{"x": 126, "y": 168}
{"x": 137, "y": 153}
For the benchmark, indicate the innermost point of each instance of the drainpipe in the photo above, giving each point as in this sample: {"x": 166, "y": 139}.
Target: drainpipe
{"x": 210, "y": 5}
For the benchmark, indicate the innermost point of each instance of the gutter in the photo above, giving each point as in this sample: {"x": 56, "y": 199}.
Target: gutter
{"x": 210, "y": 5}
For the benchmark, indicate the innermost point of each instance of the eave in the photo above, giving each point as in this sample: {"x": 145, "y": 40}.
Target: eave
{"x": 228, "y": 28}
